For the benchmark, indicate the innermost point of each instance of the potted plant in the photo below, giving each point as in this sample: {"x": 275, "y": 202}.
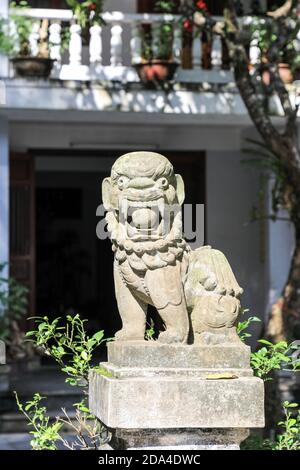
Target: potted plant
{"x": 158, "y": 64}
{"x": 15, "y": 42}
{"x": 266, "y": 33}
{"x": 87, "y": 12}
{"x": 13, "y": 307}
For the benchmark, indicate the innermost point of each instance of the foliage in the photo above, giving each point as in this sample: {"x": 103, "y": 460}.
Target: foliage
{"x": 157, "y": 44}
{"x": 165, "y": 6}
{"x": 266, "y": 33}
{"x": 244, "y": 325}
{"x": 290, "y": 437}
{"x": 267, "y": 162}
{"x": 15, "y": 32}
{"x": 89, "y": 432}
{"x": 13, "y": 303}
{"x": 150, "y": 331}
{"x": 274, "y": 357}
{"x": 45, "y": 435}
{"x": 270, "y": 357}
{"x": 69, "y": 345}
{"x": 87, "y": 12}
{"x": 267, "y": 359}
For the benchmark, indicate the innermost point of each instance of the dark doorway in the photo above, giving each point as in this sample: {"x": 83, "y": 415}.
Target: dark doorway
{"x": 22, "y": 224}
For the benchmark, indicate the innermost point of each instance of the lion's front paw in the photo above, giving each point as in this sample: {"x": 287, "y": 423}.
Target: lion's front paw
{"x": 171, "y": 336}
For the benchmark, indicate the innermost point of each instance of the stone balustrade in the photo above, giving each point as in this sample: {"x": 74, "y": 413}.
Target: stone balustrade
{"x": 108, "y": 52}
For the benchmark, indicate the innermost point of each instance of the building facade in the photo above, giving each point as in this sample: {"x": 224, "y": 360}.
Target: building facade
{"x": 59, "y": 137}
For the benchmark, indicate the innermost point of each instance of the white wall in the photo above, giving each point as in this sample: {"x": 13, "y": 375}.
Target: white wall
{"x": 232, "y": 190}
{"x": 136, "y": 136}
{"x": 4, "y": 192}
{"x": 281, "y": 246}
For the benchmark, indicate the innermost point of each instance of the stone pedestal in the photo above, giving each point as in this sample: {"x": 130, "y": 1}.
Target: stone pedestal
{"x": 158, "y": 396}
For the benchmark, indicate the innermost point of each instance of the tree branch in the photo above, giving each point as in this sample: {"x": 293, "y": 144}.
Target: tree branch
{"x": 282, "y": 145}
{"x": 281, "y": 11}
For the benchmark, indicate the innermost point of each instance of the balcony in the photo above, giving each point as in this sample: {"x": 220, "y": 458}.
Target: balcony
{"x": 107, "y": 53}
{"x": 96, "y": 71}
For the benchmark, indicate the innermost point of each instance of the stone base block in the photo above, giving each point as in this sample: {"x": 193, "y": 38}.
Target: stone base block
{"x": 174, "y": 402}
{"x": 158, "y": 396}
{"x": 145, "y": 354}
{"x": 178, "y": 439}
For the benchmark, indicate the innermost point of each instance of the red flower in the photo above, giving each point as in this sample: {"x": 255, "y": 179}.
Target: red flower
{"x": 188, "y": 26}
{"x": 201, "y": 5}
{"x": 92, "y": 6}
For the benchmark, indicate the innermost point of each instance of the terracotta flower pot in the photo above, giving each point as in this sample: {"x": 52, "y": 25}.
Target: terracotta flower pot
{"x": 156, "y": 71}
{"x": 39, "y": 67}
{"x": 285, "y": 74}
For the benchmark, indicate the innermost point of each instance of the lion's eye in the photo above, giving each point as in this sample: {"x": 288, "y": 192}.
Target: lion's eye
{"x": 163, "y": 183}
{"x": 122, "y": 181}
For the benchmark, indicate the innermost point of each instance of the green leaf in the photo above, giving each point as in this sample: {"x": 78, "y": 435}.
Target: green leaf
{"x": 84, "y": 355}
{"x": 99, "y": 335}
{"x": 264, "y": 341}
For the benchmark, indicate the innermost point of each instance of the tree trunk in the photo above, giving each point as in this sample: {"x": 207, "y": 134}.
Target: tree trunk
{"x": 284, "y": 146}
{"x": 291, "y": 294}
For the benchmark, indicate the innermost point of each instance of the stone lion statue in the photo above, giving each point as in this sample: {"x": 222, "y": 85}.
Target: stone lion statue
{"x": 195, "y": 292}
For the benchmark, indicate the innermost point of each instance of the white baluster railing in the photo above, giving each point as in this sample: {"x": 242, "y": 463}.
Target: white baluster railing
{"x": 116, "y": 45}
{"x": 216, "y": 54}
{"x": 55, "y": 41}
{"x": 117, "y": 22}
{"x": 55, "y": 46}
{"x": 96, "y": 45}
{"x": 34, "y": 38}
{"x": 136, "y": 43}
{"x": 75, "y": 46}
{"x": 197, "y": 53}
{"x": 177, "y": 43}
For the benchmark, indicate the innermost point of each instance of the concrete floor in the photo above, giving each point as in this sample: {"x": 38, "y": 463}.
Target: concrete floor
{"x": 15, "y": 441}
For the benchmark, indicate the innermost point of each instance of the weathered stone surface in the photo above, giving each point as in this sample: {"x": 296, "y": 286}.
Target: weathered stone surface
{"x": 195, "y": 292}
{"x": 144, "y": 354}
{"x": 192, "y": 388}
{"x": 178, "y": 439}
{"x": 177, "y": 402}
{"x": 126, "y": 372}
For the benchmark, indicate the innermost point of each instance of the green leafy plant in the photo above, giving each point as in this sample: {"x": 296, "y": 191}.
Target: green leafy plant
{"x": 266, "y": 32}
{"x": 274, "y": 357}
{"x": 13, "y": 303}
{"x": 290, "y": 437}
{"x": 287, "y": 434}
{"x": 72, "y": 348}
{"x": 150, "y": 331}
{"x": 157, "y": 44}
{"x": 270, "y": 357}
{"x": 69, "y": 345}
{"x": 45, "y": 435}
{"x": 269, "y": 164}
{"x": 87, "y": 12}
{"x": 242, "y": 326}
{"x": 15, "y": 31}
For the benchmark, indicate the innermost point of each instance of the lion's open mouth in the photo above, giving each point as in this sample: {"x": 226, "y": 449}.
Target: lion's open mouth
{"x": 143, "y": 220}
